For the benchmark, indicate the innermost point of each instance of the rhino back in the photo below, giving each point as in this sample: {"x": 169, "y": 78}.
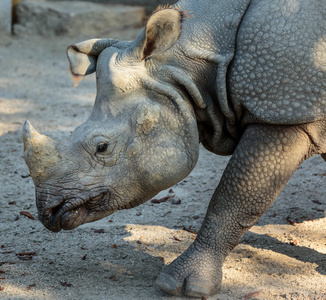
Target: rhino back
{"x": 278, "y": 74}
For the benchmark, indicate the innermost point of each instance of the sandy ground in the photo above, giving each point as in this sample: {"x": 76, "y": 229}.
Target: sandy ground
{"x": 282, "y": 257}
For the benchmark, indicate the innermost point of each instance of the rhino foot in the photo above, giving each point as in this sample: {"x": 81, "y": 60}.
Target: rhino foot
{"x": 195, "y": 273}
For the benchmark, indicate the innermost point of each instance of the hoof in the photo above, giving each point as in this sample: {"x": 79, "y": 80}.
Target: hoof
{"x": 168, "y": 284}
{"x": 188, "y": 288}
{"x": 196, "y": 273}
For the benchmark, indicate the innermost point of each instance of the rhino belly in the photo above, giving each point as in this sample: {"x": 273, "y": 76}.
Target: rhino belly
{"x": 278, "y": 74}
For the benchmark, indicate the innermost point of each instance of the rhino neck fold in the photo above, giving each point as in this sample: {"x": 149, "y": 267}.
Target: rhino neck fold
{"x": 181, "y": 88}
{"x": 209, "y": 40}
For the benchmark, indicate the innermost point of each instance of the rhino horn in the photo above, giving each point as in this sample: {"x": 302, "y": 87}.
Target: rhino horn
{"x": 40, "y": 152}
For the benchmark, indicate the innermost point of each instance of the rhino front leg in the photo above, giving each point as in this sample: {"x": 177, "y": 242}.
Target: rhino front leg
{"x": 263, "y": 162}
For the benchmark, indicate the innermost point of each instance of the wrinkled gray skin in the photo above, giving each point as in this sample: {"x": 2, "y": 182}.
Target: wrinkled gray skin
{"x": 246, "y": 78}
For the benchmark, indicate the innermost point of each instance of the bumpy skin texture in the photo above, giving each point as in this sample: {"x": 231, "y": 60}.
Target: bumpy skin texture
{"x": 246, "y": 78}
{"x": 278, "y": 73}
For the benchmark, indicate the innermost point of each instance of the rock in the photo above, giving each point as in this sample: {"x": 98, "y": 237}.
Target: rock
{"x": 5, "y": 17}
{"x": 75, "y": 18}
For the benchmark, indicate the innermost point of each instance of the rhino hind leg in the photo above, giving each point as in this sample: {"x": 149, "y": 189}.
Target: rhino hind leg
{"x": 263, "y": 162}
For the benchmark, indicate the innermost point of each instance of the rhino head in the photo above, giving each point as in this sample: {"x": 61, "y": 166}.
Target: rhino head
{"x": 140, "y": 138}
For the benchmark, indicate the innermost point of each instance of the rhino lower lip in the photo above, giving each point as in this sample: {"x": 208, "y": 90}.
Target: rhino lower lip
{"x": 59, "y": 218}
{"x": 73, "y": 218}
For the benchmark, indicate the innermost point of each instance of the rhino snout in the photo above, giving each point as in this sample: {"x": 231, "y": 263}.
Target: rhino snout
{"x": 71, "y": 212}
{"x": 48, "y": 210}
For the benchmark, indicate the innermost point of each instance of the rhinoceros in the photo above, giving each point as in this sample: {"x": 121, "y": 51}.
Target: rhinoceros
{"x": 244, "y": 78}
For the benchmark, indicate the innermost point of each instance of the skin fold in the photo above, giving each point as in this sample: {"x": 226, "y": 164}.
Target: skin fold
{"x": 244, "y": 78}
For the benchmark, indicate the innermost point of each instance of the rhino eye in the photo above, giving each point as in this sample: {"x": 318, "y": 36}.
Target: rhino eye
{"x": 101, "y": 147}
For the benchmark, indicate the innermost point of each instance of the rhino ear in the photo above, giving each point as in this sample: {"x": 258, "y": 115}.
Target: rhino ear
{"x": 82, "y": 57}
{"x": 162, "y": 31}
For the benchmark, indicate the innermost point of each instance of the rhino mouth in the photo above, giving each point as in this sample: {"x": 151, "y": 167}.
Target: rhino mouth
{"x": 72, "y": 212}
